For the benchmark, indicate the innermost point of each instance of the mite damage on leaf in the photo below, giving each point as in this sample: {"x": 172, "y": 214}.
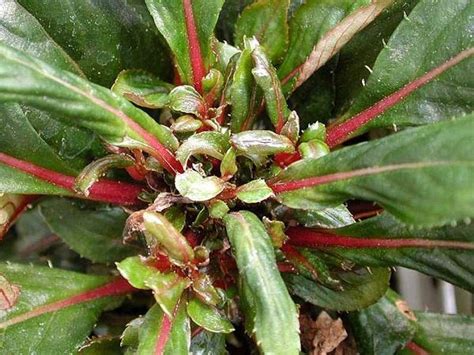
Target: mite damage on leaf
{"x": 9, "y": 294}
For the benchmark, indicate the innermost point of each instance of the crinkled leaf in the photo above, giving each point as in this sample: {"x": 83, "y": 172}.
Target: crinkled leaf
{"x": 48, "y": 327}
{"x": 452, "y": 265}
{"x": 272, "y": 312}
{"x": 186, "y": 124}
{"x": 258, "y": 145}
{"x": 361, "y": 288}
{"x": 175, "y": 26}
{"x": 266, "y": 21}
{"x": 186, "y": 99}
{"x": 192, "y": 185}
{"x": 84, "y": 228}
{"x": 332, "y": 217}
{"x": 103, "y": 38}
{"x": 254, "y": 191}
{"x": 213, "y": 144}
{"x": 208, "y": 317}
{"x": 411, "y": 174}
{"x": 406, "y": 58}
{"x": 142, "y": 88}
{"x": 384, "y": 327}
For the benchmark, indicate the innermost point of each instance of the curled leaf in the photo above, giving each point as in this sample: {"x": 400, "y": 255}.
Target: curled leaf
{"x": 254, "y": 192}
{"x": 213, "y": 144}
{"x": 194, "y": 186}
{"x": 186, "y": 124}
{"x": 186, "y": 99}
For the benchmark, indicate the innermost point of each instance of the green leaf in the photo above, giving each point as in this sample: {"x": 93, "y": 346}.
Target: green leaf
{"x": 445, "y": 334}
{"x": 151, "y": 329}
{"x": 213, "y": 144}
{"x": 311, "y": 21}
{"x": 410, "y": 174}
{"x": 205, "y": 343}
{"x": 95, "y": 233}
{"x": 362, "y": 51}
{"x": 218, "y": 209}
{"x": 167, "y": 287}
{"x": 332, "y": 217}
{"x": 452, "y": 265}
{"x": 208, "y": 317}
{"x": 401, "y": 62}
{"x": 174, "y": 25}
{"x": 103, "y": 38}
{"x": 257, "y": 144}
{"x": 266, "y": 21}
{"x": 50, "y": 303}
{"x": 194, "y": 186}
{"x": 142, "y": 88}
{"x": 186, "y": 124}
{"x": 384, "y": 327}
{"x": 254, "y": 191}
{"x": 361, "y": 288}
{"x": 273, "y": 312}
{"x": 267, "y": 79}
{"x": 228, "y": 17}
{"x": 244, "y": 96}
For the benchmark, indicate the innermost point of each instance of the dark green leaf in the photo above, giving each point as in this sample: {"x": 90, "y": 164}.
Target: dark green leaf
{"x": 94, "y": 233}
{"x": 401, "y": 62}
{"x": 266, "y": 21}
{"x": 171, "y": 21}
{"x": 361, "y": 289}
{"x": 452, "y": 265}
{"x": 180, "y": 337}
{"x": 411, "y": 174}
{"x": 142, "y": 88}
{"x": 208, "y": 317}
{"x": 205, "y": 343}
{"x": 445, "y": 334}
{"x": 91, "y": 106}
{"x": 56, "y": 329}
{"x": 104, "y": 37}
{"x": 272, "y": 312}
{"x": 384, "y": 327}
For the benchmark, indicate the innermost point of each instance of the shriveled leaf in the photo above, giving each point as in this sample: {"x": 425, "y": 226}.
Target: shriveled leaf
{"x": 272, "y": 312}
{"x": 254, "y": 191}
{"x": 384, "y": 327}
{"x": 176, "y": 20}
{"x": 406, "y": 58}
{"x": 258, "y": 145}
{"x": 453, "y": 265}
{"x": 213, "y": 144}
{"x": 266, "y": 21}
{"x": 411, "y": 174}
{"x": 361, "y": 288}
{"x": 142, "y": 88}
{"x": 194, "y": 186}
{"x": 103, "y": 38}
{"x": 208, "y": 317}
{"x": 445, "y": 333}
{"x": 84, "y": 228}
{"x": 50, "y": 303}
{"x": 162, "y": 234}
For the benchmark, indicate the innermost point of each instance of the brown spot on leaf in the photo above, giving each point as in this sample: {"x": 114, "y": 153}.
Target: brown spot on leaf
{"x": 405, "y": 309}
{"x": 9, "y": 294}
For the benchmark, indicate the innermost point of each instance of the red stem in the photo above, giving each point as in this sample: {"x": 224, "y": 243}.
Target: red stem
{"x": 304, "y": 237}
{"x": 199, "y": 71}
{"x": 26, "y": 199}
{"x": 341, "y": 132}
{"x": 163, "y": 335}
{"x": 104, "y": 190}
{"x": 416, "y": 349}
{"x": 117, "y": 287}
{"x": 295, "y": 257}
